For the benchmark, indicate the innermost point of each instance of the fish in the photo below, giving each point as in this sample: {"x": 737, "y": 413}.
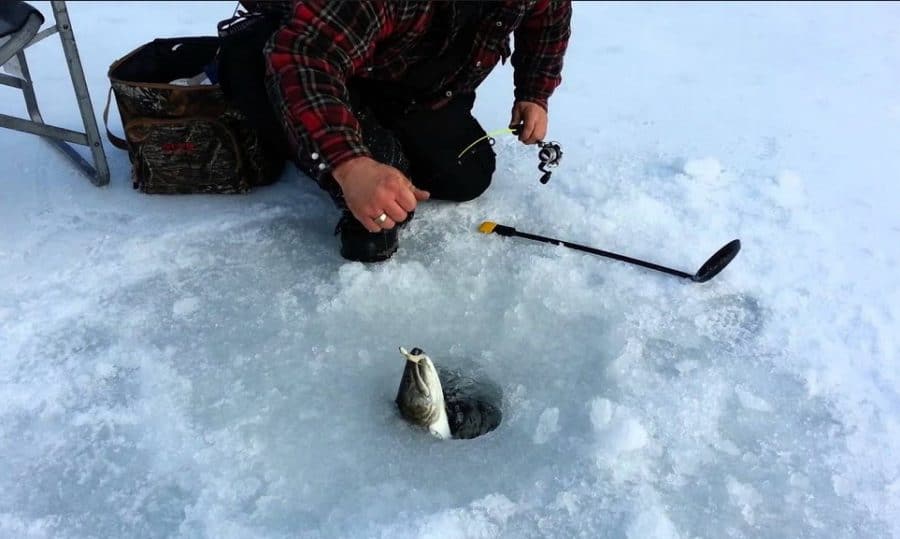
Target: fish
{"x": 420, "y": 396}
{"x": 445, "y": 402}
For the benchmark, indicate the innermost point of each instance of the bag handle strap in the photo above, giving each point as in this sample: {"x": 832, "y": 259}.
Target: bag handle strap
{"x": 116, "y": 141}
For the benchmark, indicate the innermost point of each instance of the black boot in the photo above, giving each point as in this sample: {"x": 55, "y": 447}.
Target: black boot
{"x": 360, "y": 245}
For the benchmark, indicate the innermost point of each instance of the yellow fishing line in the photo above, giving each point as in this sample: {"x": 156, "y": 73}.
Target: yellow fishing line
{"x": 487, "y": 136}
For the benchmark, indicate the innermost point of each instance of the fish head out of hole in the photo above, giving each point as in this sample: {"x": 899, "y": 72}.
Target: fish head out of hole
{"x": 420, "y": 396}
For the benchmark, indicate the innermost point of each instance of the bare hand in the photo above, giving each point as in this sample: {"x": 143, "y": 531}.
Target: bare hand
{"x": 371, "y": 188}
{"x": 533, "y": 120}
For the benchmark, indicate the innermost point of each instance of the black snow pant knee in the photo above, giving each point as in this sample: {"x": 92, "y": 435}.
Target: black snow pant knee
{"x": 432, "y": 141}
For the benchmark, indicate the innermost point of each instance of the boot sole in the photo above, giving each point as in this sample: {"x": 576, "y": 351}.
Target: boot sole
{"x": 375, "y": 257}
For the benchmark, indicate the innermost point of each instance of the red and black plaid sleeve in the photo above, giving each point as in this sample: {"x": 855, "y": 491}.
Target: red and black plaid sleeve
{"x": 309, "y": 62}
{"x": 541, "y": 42}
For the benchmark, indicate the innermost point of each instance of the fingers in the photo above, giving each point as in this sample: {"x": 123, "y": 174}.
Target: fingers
{"x": 533, "y": 119}
{"x": 370, "y": 223}
{"x": 535, "y": 126}
{"x": 381, "y": 190}
{"x": 392, "y": 213}
{"x": 386, "y": 225}
{"x": 516, "y": 116}
{"x": 540, "y": 130}
{"x": 395, "y": 202}
{"x": 395, "y": 212}
{"x": 527, "y": 134}
{"x": 407, "y": 200}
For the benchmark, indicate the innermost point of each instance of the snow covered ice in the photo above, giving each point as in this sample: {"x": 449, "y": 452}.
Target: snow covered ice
{"x": 210, "y": 367}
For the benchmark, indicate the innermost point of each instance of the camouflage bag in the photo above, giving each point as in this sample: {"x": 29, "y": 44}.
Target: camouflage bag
{"x": 185, "y": 137}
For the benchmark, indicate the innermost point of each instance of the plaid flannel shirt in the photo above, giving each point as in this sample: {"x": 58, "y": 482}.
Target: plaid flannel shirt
{"x": 325, "y": 43}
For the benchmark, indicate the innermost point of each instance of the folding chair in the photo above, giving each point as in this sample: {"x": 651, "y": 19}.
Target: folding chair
{"x": 19, "y": 29}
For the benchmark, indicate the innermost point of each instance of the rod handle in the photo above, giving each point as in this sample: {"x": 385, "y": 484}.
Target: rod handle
{"x": 489, "y": 227}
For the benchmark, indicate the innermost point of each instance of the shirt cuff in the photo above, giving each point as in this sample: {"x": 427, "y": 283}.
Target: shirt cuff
{"x": 532, "y": 97}
{"x": 337, "y": 148}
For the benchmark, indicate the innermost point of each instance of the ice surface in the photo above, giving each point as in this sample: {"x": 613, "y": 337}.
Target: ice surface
{"x": 708, "y": 169}
{"x": 651, "y": 522}
{"x": 210, "y": 367}
{"x": 547, "y": 426}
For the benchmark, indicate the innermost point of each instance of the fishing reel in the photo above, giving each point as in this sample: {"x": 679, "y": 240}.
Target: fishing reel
{"x": 549, "y": 155}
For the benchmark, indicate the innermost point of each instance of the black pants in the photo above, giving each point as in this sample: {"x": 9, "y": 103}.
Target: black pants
{"x": 424, "y": 144}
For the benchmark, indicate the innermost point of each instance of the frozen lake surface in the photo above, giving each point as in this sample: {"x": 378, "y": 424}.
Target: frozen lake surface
{"x": 210, "y": 367}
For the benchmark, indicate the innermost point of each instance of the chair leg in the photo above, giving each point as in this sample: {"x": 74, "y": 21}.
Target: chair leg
{"x": 67, "y": 37}
{"x": 28, "y": 89}
{"x": 34, "y": 113}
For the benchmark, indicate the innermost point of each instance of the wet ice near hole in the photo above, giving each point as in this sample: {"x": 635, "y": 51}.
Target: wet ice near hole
{"x": 210, "y": 367}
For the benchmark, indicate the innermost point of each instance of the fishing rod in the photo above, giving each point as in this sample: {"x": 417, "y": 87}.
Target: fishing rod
{"x": 715, "y": 264}
{"x": 549, "y": 156}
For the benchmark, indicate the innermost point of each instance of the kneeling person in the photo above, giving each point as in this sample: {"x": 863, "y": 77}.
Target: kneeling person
{"x": 376, "y": 99}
